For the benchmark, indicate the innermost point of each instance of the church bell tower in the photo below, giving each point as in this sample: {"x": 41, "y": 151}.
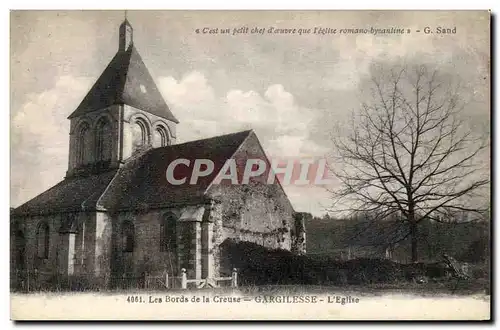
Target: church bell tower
{"x": 123, "y": 114}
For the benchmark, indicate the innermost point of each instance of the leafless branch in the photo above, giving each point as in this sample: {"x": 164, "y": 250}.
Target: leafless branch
{"x": 408, "y": 151}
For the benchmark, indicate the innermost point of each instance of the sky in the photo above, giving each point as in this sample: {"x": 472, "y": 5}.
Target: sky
{"x": 291, "y": 89}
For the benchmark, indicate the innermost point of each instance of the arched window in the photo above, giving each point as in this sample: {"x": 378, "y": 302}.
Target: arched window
{"x": 83, "y": 144}
{"x": 103, "y": 140}
{"x": 43, "y": 240}
{"x": 161, "y": 137}
{"x": 128, "y": 236}
{"x": 140, "y": 133}
{"x": 168, "y": 233}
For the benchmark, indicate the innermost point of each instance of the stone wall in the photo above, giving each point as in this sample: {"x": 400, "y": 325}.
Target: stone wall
{"x": 129, "y": 115}
{"x": 102, "y": 252}
{"x": 121, "y": 118}
{"x": 71, "y": 251}
{"x": 189, "y": 249}
{"x": 112, "y": 114}
{"x": 29, "y": 227}
{"x": 147, "y": 255}
{"x": 299, "y": 232}
{"x": 255, "y": 212}
{"x": 84, "y": 243}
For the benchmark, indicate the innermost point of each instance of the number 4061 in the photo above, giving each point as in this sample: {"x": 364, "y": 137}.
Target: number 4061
{"x": 134, "y": 299}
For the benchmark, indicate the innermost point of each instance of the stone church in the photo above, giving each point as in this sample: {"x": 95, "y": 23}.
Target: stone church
{"x": 116, "y": 214}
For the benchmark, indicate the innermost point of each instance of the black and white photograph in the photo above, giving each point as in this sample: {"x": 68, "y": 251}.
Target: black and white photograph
{"x": 250, "y": 165}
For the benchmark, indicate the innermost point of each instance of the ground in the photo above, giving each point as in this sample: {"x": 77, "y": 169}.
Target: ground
{"x": 373, "y": 303}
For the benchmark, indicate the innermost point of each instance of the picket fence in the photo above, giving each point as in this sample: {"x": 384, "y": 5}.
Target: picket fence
{"x": 166, "y": 281}
{"x": 35, "y": 280}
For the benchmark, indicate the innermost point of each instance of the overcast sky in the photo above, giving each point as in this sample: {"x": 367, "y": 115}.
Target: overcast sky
{"x": 292, "y": 90}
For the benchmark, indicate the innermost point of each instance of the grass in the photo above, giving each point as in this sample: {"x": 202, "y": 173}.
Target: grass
{"x": 444, "y": 288}
{"x": 378, "y": 289}
{"x": 263, "y": 270}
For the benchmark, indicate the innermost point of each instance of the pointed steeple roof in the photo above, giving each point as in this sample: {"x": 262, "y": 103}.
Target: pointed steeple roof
{"x": 126, "y": 80}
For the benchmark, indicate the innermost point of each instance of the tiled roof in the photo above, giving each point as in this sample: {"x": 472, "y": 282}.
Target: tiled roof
{"x": 70, "y": 195}
{"x": 126, "y": 80}
{"x": 142, "y": 182}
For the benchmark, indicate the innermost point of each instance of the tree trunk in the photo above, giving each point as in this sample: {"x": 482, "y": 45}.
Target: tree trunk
{"x": 414, "y": 241}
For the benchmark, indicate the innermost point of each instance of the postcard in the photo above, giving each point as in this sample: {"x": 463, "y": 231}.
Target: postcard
{"x": 250, "y": 165}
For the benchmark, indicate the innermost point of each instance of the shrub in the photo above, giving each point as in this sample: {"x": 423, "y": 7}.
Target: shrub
{"x": 258, "y": 265}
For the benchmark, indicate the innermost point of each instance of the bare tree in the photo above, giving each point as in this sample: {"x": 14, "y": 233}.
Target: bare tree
{"x": 409, "y": 153}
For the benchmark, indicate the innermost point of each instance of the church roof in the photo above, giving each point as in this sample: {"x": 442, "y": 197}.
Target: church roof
{"x": 142, "y": 182}
{"x": 126, "y": 80}
{"x": 70, "y": 195}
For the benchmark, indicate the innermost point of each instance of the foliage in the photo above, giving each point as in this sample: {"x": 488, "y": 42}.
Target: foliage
{"x": 468, "y": 242}
{"x": 260, "y": 266}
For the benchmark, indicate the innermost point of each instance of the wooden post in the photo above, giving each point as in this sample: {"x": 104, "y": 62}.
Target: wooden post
{"x": 234, "y": 278}
{"x": 183, "y": 278}
{"x": 166, "y": 280}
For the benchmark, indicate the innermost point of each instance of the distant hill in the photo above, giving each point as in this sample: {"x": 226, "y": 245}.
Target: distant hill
{"x": 328, "y": 236}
